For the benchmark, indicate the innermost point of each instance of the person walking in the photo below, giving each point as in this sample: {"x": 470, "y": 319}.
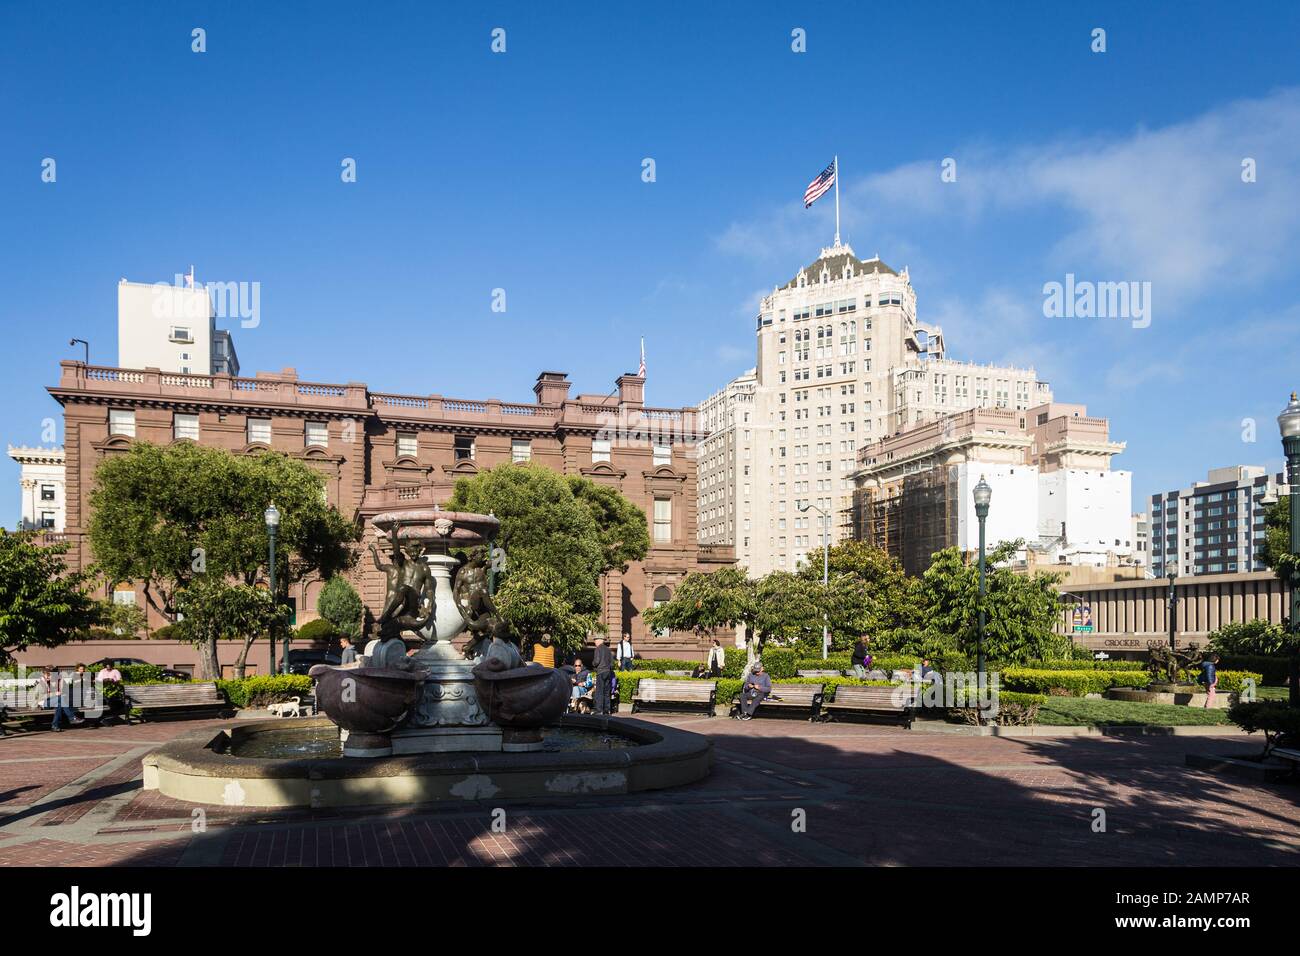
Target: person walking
{"x": 860, "y": 657}
{"x": 625, "y": 653}
{"x": 1210, "y": 678}
{"x": 349, "y": 653}
{"x": 717, "y": 659}
{"x": 544, "y": 652}
{"x": 602, "y": 662}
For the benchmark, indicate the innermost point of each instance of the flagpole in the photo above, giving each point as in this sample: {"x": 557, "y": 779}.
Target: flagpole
{"x": 837, "y": 199}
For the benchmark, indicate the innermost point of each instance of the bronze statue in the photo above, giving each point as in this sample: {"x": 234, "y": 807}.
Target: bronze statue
{"x": 1164, "y": 663}
{"x": 470, "y": 592}
{"x": 409, "y": 598}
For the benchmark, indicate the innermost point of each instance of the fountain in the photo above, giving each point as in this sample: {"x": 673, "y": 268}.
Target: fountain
{"x": 429, "y": 701}
{"x": 438, "y": 724}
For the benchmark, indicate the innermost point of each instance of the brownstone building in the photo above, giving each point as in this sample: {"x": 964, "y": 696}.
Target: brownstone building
{"x": 378, "y": 450}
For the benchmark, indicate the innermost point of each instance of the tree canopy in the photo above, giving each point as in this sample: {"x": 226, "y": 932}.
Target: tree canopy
{"x": 41, "y": 601}
{"x": 559, "y": 534}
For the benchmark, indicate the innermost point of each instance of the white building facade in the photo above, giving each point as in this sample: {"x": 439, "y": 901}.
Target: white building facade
{"x": 43, "y": 487}
{"x": 171, "y": 328}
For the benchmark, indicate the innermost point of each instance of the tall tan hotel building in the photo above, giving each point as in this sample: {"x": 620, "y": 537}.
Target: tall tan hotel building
{"x": 842, "y": 362}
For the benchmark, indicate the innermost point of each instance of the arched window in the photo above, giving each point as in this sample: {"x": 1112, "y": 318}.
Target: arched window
{"x": 662, "y": 596}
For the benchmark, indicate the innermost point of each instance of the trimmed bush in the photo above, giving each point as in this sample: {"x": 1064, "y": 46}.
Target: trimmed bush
{"x": 168, "y": 632}
{"x": 260, "y": 690}
{"x": 1078, "y": 683}
{"x": 1279, "y": 721}
{"x": 1082, "y": 665}
{"x": 1274, "y": 670}
{"x": 317, "y": 630}
{"x": 1230, "y": 682}
{"x": 141, "y": 674}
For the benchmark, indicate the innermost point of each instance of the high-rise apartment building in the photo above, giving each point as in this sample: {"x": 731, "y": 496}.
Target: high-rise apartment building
{"x": 1214, "y": 527}
{"x": 724, "y": 463}
{"x": 172, "y": 328}
{"x": 842, "y": 360}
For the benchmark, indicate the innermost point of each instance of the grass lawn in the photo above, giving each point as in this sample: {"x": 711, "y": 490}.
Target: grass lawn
{"x": 1080, "y": 712}
{"x": 1272, "y": 693}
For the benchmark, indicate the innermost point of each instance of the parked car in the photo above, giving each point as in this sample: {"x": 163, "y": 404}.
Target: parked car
{"x": 301, "y": 661}
{"x": 167, "y": 672}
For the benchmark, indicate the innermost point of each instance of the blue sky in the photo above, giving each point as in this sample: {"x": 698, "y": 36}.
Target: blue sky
{"x": 522, "y": 171}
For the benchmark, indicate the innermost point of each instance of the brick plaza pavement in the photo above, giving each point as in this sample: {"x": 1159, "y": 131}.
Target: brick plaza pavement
{"x": 871, "y": 795}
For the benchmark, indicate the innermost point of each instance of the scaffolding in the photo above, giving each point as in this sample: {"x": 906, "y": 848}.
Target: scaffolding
{"x": 911, "y": 519}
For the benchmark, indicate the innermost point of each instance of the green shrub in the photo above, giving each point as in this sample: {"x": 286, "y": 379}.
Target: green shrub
{"x": 1274, "y": 670}
{"x": 168, "y": 632}
{"x": 660, "y": 664}
{"x": 262, "y": 689}
{"x": 317, "y": 630}
{"x": 1230, "y": 682}
{"x": 1082, "y": 665}
{"x": 1279, "y": 721}
{"x": 1014, "y": 710}
{"x": 1078, "y": 683}
{"x": 141, "y": 674}
{"x": 1256, "y": 637}
{"x": 340, "y": 604}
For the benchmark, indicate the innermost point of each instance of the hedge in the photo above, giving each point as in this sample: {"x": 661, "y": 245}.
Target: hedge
{"x": 1230, "y": 682}
{"x": 1079, "y": 683}
{"x": 1089, "y": 665}
{"x": 1273, "y": 670}
{"x": 262, "y": 689}
{"x": 1279, "y": 721}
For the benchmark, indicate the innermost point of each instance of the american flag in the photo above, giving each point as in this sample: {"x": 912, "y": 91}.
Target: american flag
{"x": 641, "y": 371}
{"x": 818, "y": 187}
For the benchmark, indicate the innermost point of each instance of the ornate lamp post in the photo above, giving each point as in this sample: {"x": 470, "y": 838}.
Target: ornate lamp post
{"x": 272, "y": 525}
{"x": 1289, "y": 424}
{"x": 826, "y": 564}
{"x": 983, "y": 495}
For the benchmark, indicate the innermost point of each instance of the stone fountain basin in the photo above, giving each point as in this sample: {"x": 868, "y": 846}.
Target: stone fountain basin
{"x": 420, "y": 524}
{"x": 200, "y": 768}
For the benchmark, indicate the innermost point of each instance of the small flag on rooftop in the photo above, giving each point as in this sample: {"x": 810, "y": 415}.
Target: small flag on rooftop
{"x": 641, "y": 371}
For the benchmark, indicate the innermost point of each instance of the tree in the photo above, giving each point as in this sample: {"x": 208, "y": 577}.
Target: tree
{"x": 624, "y": 535}
{"x": 1021, "y": 611}
{"x": 127, "y": 620}
{"x": 560, "y": 535}
{"x": 869, "y": 593}
{"x": 780, "y": 607}
{"x": 168, "y": 516}
{"x": 1275, "y": 551}
{"x": 340, "y": 604}
{"x": 213, "y": 610}
{"x": 1256, "y": 637}
{"x": 41, "y": 601}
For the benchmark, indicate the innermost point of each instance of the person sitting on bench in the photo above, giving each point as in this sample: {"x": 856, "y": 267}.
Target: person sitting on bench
{"x": 757, "y": 688}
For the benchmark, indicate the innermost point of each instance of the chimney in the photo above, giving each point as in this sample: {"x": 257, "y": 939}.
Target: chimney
{"x": 552, "y": 388}
{"x": 631, "y": 390}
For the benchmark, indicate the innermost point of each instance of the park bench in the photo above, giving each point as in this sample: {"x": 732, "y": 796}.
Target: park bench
{"x": 869, "y": 702}
{"x": 799, "y": 699}
{"x": 23, "y": 714}
{"x": 676, "y": 695}
{"x": 819, "y": 673}
{"x": 176, "y": 700}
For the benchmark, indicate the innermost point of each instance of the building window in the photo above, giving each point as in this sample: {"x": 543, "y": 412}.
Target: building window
{"x": 317, "y": 433}
{"x": 185, "y": 426}
{"x": 259, "y": 431}
{"x": 599, "y": 450}
{"x": 407, "y": 445}
{"x": 121, "y": 422}
{"x": 124, "y": 596}
{"x": 180, "y": 333}
{"x": 663, "y": 455}
{"x": 663, "y": 519}
{"x": 521, "y": 450}
{"x": 47, "y": 492}
{"x": 47, "y": 519}
{"x": 661, "y": 597}
{"x": 464, "y": 448}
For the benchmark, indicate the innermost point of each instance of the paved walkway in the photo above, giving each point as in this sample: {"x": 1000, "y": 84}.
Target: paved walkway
{"x": 873, "y": 795}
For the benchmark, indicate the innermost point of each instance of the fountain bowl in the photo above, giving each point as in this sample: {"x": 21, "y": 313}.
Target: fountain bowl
{"x": 453, "y": 528}
{"x": 370, "y": 707}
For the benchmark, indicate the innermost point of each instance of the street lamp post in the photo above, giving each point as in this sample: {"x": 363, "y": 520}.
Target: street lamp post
{"x": 272, "y": 525}
{"x": 1173, "y": 612}
{"x": 826, "y": 566}
{"x": 983, "y": 494}
{"x": 1289, "y": 424}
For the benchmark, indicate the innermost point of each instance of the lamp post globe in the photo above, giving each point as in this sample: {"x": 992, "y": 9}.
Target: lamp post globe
{"x": 272, "y": 516}
{"x": 1288, "y": 424}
